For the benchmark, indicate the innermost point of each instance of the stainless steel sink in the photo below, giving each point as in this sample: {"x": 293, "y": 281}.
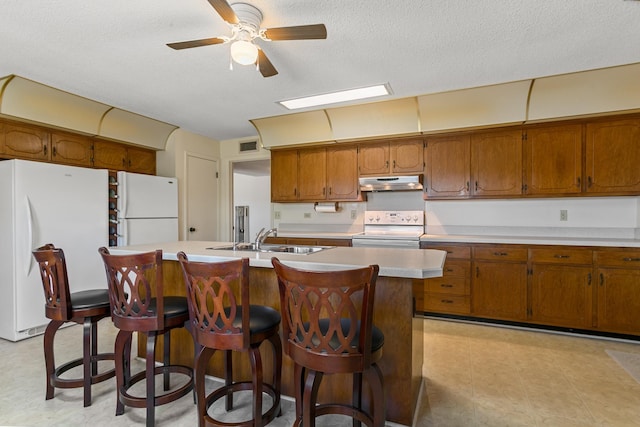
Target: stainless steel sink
{"x": 291, "y": 249}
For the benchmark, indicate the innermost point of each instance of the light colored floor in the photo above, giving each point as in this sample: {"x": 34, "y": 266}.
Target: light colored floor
{"x": 475, "y": 375}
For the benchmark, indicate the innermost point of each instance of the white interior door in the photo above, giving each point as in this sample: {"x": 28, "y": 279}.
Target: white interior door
{"x": 202, "y": 198}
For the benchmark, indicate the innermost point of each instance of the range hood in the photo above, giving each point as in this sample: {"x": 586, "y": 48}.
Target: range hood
{"x": 391, "y": 183}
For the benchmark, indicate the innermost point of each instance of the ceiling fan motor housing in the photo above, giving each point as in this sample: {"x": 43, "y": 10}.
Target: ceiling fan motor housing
{"x": 248, "y": 15}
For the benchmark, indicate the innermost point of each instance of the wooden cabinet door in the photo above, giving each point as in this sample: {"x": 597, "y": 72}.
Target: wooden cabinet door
{"x": 342, "y": 173}
{"x": 284, "y": 176}
{"x": 26, "y": 142}
{"x": 496, "y": 163}
{"x": 71, "y": 149}
{"x": 109, "y": 155}
{"x": 619, "y": 300}
{"x": 499, "y": 290}
{"x": 407, "y": 156}
{"x": 612, "y": 157}
{"x": 312, "y": 174}
{"x": 373, "y": 159}
{"x": 140, "y": 160}
{"x": 447, "y": 166}
{"x": 553, "y": 160}
{"x": 562, "y": 295}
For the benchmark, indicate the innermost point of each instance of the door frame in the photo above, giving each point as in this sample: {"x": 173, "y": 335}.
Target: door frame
{"x": 184, "y": 202}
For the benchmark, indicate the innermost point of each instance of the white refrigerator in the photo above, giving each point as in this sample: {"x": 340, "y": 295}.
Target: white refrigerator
{"x": 147, "y": 209}
{"x": 47, "y": 203}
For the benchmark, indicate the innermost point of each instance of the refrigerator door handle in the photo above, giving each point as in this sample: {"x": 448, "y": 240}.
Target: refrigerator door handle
{"x": 29, "y": 245}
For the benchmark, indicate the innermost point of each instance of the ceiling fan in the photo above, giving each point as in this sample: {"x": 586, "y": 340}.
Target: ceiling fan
{"x": 245, "y": 21}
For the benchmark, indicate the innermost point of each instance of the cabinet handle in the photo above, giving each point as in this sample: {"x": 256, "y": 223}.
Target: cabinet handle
{"x": 446, "y": 285}
{"x": 53, "y": 151}
{"x": 500, "y": 253}
{"x": 562, "y": 256}
{"x": 601, "y": 279}
{"x": 324, "y": 191}
{"x": 386, "y": 164}
{"x": 446, "y": 301}
{"x": 467, "y": 186}
{"x": 476, "y": 185}
{"x": 578, "y": 184}
{"x": 477, "y": 271}
{"x": 589, "y": 182}
{"x": 45, "y": 150}
{"x": 394, "y": 164}
{"x": 631, "y": 259}
{"x": 449, "y": 270}
{"x": 329, "y": 190}
{"x": 589, "y": 279}
{"x": 124, "y": 162}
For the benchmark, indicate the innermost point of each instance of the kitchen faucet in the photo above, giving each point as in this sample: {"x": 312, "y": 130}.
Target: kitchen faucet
{"x": 262, "y": 235}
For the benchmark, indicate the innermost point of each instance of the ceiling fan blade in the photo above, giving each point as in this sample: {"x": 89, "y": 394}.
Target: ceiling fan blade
{"x": 266, "y": 67}
{"x": 195, "y": 43}
{"x": 224, "y": 10}
{"x": 301, "y": 32}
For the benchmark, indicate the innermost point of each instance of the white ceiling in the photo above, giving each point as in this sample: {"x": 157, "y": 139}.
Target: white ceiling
{"x": 114, "y": 51}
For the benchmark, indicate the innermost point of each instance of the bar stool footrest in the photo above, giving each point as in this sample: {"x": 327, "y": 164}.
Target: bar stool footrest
{"x": 141, "y": 401}
{"x": 221, "y": 392}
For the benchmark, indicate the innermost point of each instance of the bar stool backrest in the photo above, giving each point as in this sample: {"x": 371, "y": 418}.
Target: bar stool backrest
{"x": 216, "y": 293}
{"x": 135, "y": 284}
{"x": 53, "y": 270}
{"x": 327, "y": 316}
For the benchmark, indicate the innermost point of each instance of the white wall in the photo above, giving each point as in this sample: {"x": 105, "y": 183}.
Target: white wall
{"x": 255, "y": 192}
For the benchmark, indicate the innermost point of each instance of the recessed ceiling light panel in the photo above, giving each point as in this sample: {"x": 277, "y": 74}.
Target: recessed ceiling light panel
{"x": 335, "y": 97}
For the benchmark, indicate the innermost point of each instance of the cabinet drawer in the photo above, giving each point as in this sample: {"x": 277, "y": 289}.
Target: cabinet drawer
{"x": 500, "y": 253}
{"x": 448, "y": 285}
{"x": 456, "y": 252}
{"x": 627, "y": 259}
{"x": 447, "y": 304}
{"x": 562, "y": 255}
{"x": 456, "y": 268}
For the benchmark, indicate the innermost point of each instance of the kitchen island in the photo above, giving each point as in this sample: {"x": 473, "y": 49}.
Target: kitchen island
{"x": 401, "y": 271}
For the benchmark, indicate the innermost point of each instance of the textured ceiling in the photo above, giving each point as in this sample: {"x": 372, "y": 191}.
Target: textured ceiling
{"x": 114, "y": 51}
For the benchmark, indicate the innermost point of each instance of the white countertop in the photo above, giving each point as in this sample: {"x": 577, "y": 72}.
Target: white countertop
{"x": 404, "y": 263}
{"x": 530, "y": 240}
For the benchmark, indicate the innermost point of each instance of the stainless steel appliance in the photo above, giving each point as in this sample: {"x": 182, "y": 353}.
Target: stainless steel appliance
{"x": 241, "y": 226}
{"x": 391, "y": 183}
{"x": 391, "y": 229}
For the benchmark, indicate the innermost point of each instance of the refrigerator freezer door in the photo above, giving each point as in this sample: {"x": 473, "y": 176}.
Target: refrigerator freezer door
{"x": 141, "y": 231}
{"x": 66, "y": 206}
{"x": 147, "y": 196}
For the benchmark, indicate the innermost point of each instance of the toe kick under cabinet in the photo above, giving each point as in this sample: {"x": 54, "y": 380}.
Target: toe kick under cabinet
{"x": 573, "y": 288}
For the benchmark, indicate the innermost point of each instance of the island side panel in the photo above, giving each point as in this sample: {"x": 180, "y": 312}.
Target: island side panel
{"x": 402, "y": 357}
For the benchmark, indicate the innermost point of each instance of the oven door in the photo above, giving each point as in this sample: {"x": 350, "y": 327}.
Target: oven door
{"x": 369, "y": 242}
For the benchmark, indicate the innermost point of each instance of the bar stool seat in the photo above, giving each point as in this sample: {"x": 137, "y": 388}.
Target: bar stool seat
{"x": 82, "y": 307}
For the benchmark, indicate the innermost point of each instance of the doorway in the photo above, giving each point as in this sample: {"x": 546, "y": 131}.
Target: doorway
{"x": 202, "y": 198}
{"x": 251, "y": 184}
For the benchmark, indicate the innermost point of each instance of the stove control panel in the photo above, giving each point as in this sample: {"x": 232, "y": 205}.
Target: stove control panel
{"x": 394, "y": 218}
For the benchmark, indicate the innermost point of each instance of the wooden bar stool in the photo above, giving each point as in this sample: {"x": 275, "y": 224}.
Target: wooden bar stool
{"x": 135, "y": 284}
{"x": 328, "y": 328}
{"x": 222, "y": 319}
{"x": 85, "y": 308}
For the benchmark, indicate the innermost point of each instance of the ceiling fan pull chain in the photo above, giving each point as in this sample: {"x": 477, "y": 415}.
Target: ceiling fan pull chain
{"x": 230, "y": 63}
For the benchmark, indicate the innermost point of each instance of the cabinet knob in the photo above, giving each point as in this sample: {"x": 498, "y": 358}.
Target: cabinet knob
{"x": 191, "y": 229}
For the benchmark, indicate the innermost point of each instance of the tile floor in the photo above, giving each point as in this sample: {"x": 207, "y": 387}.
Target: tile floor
{"x": 475, "y": 375}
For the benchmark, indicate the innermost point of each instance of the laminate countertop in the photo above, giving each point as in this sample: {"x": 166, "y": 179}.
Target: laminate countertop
{"x": 532, "y": 240}
{"x": 402, "y": 263}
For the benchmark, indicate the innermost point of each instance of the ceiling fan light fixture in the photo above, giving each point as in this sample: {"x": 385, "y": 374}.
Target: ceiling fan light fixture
{"x": 244, "y": 52}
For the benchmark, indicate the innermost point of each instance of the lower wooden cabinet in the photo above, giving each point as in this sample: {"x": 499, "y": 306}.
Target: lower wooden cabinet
{"x": 499, "y": 283}
{"x": 574, "y": 288}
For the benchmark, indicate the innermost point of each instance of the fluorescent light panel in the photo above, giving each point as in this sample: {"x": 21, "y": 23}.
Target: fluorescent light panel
{"x": 334, "y": 97}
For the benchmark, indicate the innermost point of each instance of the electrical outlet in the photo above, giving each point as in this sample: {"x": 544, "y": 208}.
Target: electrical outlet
{"x": 564, "y": 215}
{"x": 307, "y": 215}
{"x": 354, "y": 214}
{"x": 276, "y": 215}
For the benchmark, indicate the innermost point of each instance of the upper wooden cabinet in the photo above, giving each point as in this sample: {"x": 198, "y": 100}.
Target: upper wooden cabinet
{"x": 612, "y": 156}
{"x": 496, "y": 163}
{"x": 26, "y": 142}
{"x": 553, "y": 160}
{"x": 115, "y": 156}
{"x": 71, "y": 149}
{"x": 342, "y": 173}
{"x": 447, "y": 166}
{"x": 314, "y": 174}
{"x": 284, "y": 175}
{"x": 394, "y": 157}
